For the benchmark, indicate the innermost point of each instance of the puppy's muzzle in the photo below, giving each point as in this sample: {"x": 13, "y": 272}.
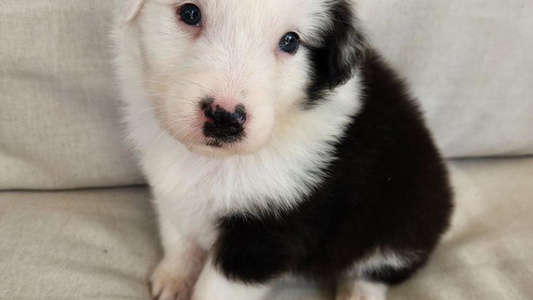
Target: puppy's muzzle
{"x": 222, "y": 125}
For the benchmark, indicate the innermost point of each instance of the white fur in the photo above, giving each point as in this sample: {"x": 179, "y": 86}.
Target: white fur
{"x": 176, "y": 274}
{"x": 164, "y": 73}
{"x": 277, "y": 174}
{"x": 352, "y": 287}
{"x": 212, "y": 285}
{"x": 130, "y": 9}
{"x": 381, "y": 258}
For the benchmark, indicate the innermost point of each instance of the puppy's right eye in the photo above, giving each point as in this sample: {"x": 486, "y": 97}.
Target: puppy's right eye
{"x": 289, "y": 42}
{"x": 190, "y": 14}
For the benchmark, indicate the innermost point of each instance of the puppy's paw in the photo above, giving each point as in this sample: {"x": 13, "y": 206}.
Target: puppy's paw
{"x": 361, "y": 290}
{"x": 167, "y": 283}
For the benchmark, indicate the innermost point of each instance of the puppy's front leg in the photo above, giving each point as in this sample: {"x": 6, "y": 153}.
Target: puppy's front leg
{"x": 213, "y": 285}
{"x": 176, "y": 274}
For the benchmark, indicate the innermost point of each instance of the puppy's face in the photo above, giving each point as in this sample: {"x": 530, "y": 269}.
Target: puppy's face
{"x": 225, "y": 76}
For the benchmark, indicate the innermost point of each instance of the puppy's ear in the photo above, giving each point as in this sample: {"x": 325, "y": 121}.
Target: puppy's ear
{"x": 344, "y": 44}
{"x": 130, "y": 9}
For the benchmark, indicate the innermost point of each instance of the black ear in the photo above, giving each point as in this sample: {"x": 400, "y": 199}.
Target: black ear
{"x": 344, "y": 44}
{"x": 341, "y": 52}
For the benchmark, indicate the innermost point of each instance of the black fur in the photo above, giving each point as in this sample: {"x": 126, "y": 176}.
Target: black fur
{"x": 387, "y": 189}
{"x": 342, "y": 50}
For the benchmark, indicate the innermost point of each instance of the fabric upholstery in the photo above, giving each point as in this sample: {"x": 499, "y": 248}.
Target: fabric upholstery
{"x": 469, "y": 63}
{"x": 59, "y": 125}
{"x": 102, "y": 244}
{"x": 76, "y": 245}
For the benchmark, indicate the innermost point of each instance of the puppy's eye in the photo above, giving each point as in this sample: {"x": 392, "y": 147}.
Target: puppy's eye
{"x": 290, "y": 42}
{"x": 190, "y": 14}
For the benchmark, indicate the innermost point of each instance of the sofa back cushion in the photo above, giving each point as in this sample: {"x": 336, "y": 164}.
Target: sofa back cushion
{"x": 470, "y": 64}
{"x": 58, "y": 108}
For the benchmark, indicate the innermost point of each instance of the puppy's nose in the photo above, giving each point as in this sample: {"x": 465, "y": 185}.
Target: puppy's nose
{"x": 223, "y": 117}
{"x": 223, "y": 125}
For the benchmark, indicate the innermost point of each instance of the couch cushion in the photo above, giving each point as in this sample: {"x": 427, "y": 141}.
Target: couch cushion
{"x": 76, "y": 245}
{"x": 469, "y": 63}
{"x": 103, "y": 244}
{"x": 58, "y": 115}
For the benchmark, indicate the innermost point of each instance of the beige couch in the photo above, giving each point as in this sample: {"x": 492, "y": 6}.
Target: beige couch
{"x": 74, "y": 226}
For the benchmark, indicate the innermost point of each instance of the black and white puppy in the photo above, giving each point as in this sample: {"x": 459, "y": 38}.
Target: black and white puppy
{"x": 275, "y": 142}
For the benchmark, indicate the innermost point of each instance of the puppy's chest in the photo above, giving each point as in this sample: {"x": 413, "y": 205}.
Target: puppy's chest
{"x": 240, "y": 184}
{"x": 252, "y": 184}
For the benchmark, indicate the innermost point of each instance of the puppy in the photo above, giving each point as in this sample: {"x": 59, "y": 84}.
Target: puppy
{"x": 275, "y": 142}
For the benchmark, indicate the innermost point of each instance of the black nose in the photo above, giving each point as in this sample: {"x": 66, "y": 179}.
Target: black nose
{"x": 222, "y": 125}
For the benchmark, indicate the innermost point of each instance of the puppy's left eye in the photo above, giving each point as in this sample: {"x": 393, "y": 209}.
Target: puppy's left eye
{"x": 190, "y": 14}
{"x": 290, "y": 42}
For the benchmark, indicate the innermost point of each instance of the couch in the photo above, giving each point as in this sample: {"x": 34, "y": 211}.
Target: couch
{"x": 75, "y": 216}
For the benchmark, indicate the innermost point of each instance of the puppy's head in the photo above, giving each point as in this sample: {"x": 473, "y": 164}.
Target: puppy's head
{"x": 223, "y": 75}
